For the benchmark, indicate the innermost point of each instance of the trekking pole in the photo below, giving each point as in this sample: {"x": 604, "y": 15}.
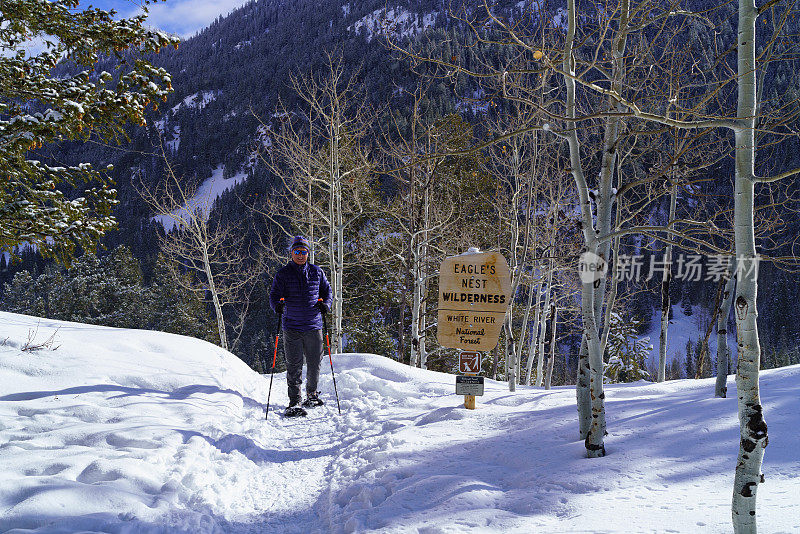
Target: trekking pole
{"x": 328, "y": 343}
{"x": 274, "y": 357}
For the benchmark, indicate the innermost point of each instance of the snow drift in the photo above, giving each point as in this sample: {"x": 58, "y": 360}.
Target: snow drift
{"x": 131, "y": 431}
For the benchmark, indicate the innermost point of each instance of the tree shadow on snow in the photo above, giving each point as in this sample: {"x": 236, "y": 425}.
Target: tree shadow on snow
{"x": 536, "y": 466}
{"x": 178, "y": 394}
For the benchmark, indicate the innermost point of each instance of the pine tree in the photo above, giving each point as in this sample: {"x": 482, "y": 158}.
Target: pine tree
{"x": 178, "y": 310}
{"x": 689, "y": 364}
{"x": 124, "y": 299}
{"x": 627, "y": 354}
{"x": 18, "y": 296}
{"x": 686, "y": 303}
{"x": 110, "y": 291}
{"x": 38, "y": 106}
{"x": 674, "y": 372}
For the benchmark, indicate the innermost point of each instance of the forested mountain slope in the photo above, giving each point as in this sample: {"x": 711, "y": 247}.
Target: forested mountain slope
{"x": 230, "y": 78}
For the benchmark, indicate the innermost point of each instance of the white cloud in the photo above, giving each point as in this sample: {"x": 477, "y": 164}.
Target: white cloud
{"x": 187, "y": 17}
{"x": 32, "y": 47}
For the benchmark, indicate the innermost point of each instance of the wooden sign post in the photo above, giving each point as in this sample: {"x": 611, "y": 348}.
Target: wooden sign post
{"x": 474, "y": 293}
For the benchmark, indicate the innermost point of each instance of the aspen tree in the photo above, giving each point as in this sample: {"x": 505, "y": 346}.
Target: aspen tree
{"x": 551, "y": 360}
{"x": 608, "y": 74}
{"x": 417, "y": 216}
{"x": 221, "y": 270}
{"x": 723, "y": 352}
{"x": 753, "y": 428}
{"x": 324, "y": 166}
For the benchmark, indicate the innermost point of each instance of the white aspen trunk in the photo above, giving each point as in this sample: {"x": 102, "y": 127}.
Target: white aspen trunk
{"x": 415, "y": 305}
{"x": 212, "y": 288}
{"x": 332, "y": 214}
{"x": 401, "y": 333}
{"x": 309, "y": 196}
{"x": 413, "y": 359}
{"x": 723, "y": 352}
{"x": 596, "y": 428}
{"x": 753, "y": 428}
{"x": 311, "y": 253}
{"x": 551, "y": 361}
{"x": 336, "y": 229}
{"x": 512, "y": 351}
{"x": 532, "y": 346}
{"x": 505, "y": 361}
{"x": 495, "y": 357}
{"x": 543, "y": 327}
{"x": 339, "y": 288}
{"x": 582, "y": 391}
{"x": 423, "y": 280}
{"x": 606, "y": 198}
{"x": 418, "y": 245}
{"x": 519, "y": 270}
{"x": 522, "y": 334}
{"x": 339, "y": 292}
{"x": 534, "y": 289}
{"x": 515, "y": 348}
{"x": 332, "y": 260}
{"x": 612, "y": 296}
{"x": 510, "y": 354}
{"x": 666, "y": 278}
{"x": 594, "y": 442}
{"x": 423, "y": 352}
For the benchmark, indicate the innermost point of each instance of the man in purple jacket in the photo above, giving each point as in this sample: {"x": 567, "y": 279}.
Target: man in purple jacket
{"x": 301, "y": 285}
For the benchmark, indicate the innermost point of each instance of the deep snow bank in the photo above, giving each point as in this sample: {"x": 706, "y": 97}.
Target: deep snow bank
{"x": 136, "y": 431}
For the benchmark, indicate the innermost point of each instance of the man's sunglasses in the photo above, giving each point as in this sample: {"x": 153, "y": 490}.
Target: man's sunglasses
{"x": 300, "y": 252}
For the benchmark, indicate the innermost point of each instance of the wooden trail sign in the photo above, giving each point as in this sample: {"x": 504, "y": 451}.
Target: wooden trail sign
{"x": 474, "y": 293}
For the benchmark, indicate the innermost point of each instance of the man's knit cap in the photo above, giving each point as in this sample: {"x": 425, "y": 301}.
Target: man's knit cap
{"x": 300, "y": 241}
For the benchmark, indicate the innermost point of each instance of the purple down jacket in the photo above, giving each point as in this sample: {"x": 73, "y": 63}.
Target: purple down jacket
{"x": 301, "y": 286}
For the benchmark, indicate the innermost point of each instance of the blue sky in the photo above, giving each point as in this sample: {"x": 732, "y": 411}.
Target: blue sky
{"x": 183, "y": 17}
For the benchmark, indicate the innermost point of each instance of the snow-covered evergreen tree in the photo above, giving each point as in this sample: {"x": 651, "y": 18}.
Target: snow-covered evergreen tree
{"x": 626, "y": 353}
{"x": 38, "y": 108}
{"x": 689, "y": 364}
{"x": 110, "y": 291}
{"x": 18, "y": 296}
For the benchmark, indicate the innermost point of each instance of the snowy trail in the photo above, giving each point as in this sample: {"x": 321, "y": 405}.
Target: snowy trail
{"x": 127, "y": 431}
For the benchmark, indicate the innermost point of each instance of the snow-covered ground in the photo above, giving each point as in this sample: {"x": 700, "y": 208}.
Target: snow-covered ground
{"x": 131, "y": 431}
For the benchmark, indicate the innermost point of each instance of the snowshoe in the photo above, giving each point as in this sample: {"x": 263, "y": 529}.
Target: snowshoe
{"x": 295, "y": 411}
{"x": 313, "y": 401}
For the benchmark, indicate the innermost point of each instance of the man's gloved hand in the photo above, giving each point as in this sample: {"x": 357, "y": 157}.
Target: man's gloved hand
{"x": 321, "y": 306}
{"x": 280, "y": 306}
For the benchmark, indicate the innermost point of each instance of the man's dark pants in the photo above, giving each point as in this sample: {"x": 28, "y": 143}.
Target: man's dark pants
{"x": 296, "y": 345}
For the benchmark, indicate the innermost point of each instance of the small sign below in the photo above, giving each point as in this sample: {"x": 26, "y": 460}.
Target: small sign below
{"x": 469, "y": 385}
{"x": 469, "y": 362}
